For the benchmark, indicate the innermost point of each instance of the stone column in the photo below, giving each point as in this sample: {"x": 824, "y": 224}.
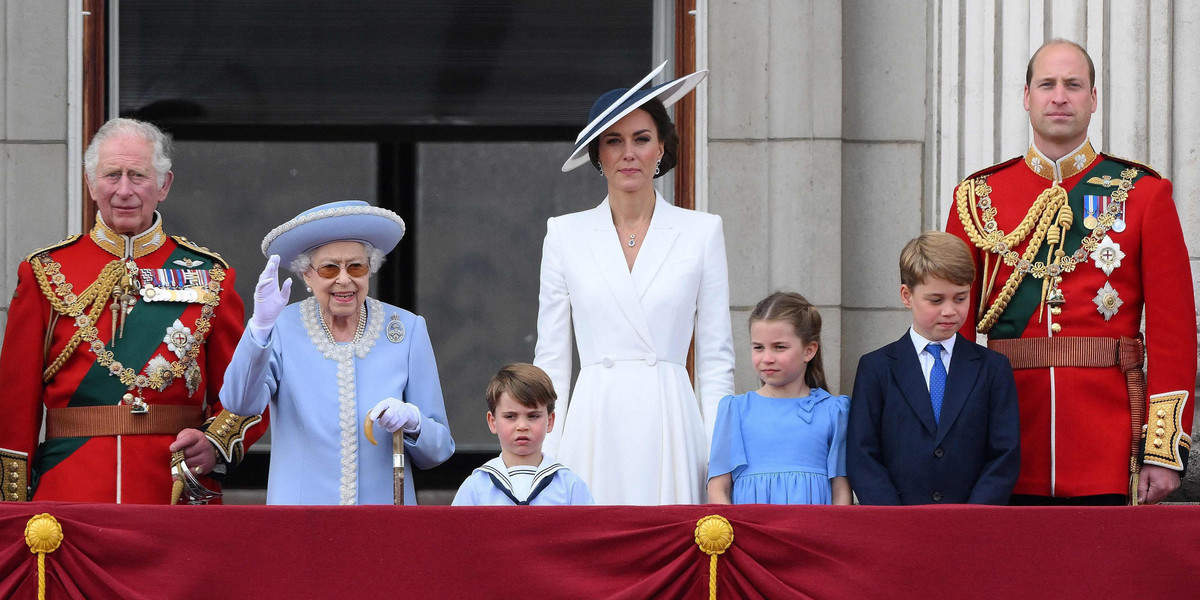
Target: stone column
{"x": 33, "y": 121}
{"x": 774, "y": 156}
{"x": 885, "y": 105}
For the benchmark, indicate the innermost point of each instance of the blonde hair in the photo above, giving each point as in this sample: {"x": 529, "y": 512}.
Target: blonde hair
{"x": 524, "y": 383}
{"x": 796, "y": 310}
{"x": 936, "y": 254}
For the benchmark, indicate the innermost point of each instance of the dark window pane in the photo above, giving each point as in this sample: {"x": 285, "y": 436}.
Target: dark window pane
{"x": 481, "y": 219}
{"x": 370, "y": 62}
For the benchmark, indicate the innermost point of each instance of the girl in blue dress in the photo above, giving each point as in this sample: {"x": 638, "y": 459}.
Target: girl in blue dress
{"x": 786, "y": 442}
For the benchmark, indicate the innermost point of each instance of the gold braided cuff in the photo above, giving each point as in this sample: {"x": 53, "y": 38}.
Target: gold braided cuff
{"x": 14, "y": 471}
{"x": 1164, "y": 439}
{"x": 226, "y": 431}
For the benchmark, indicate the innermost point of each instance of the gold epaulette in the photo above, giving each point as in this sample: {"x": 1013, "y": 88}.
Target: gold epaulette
{"x": 226, "y": 431}
{"x": 1164, "y": 435}
{"x": 55, "y": 246}
{"x": 14, "y": 473}
{"x": 993, "y": 168}
{"x": 1132, "y": 163}
{"x": 190, "y": 245}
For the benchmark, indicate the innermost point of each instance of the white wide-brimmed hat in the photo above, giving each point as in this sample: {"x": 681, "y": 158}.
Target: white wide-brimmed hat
{"x": 345, "y": 221}
{"x": 615, "y": 104}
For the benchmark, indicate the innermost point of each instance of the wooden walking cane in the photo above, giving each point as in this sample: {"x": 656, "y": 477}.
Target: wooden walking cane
{"x": 397, "y": 458}
{"x": 398, "y": 468}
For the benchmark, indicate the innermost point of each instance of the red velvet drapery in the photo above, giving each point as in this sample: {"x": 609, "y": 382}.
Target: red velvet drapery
{"x": 143, "y": 552}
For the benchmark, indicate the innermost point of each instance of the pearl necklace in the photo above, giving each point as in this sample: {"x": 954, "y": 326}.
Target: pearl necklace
{"x": 358, "y": 333}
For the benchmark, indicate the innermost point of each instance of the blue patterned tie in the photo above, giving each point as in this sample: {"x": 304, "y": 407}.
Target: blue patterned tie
{"x": 937, "y": 380}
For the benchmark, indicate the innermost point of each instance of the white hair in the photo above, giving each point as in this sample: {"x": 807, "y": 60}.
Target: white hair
{"x": 303, "y": 261}
{"x": 160, "y": 159}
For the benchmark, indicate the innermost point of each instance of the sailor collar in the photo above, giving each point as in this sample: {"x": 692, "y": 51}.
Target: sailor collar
{"x": 128, "y": 247}
{"x": 500, "y": 473}
{"x": 1073, "y": 163}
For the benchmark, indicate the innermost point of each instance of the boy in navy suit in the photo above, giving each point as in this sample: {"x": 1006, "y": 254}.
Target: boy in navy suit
{"x": 933, "y": 417}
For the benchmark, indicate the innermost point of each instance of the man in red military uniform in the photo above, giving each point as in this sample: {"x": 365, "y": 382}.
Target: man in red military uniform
{"x": 121, "y": 337}
{"x": 1072, "y": 249}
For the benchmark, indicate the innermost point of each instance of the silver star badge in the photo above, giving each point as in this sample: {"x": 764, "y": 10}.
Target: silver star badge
{"x": 160, "y": 366}
{"x": 1107, "y": 255}
{"x": 178, "y": 339}
{"x": 1107, "y": 301}
{"x": 1080, "y": 160}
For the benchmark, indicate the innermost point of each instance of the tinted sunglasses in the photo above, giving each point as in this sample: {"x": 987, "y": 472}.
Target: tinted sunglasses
{"x": 330, "y": 271}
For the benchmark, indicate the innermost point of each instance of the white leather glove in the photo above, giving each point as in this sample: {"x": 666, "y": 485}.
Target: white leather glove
{"x": 269, "y": 301}
{"x": 393, "y": 414}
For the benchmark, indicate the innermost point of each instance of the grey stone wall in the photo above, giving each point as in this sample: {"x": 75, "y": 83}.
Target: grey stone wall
{"x": 33, "y": 122}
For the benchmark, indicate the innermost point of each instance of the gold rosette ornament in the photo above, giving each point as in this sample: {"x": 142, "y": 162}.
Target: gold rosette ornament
{"x": 714, "y": 535}
{"x": 43, "y": 535}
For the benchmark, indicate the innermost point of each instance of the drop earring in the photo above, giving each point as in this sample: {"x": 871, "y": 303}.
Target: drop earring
{"x": 600, "y": 168}
{"x": 658, "y": 167}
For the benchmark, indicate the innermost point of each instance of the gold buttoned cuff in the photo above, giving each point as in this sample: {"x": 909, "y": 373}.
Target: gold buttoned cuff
{"x": 226, "y": 431}
{"x": 14, "y": 474}
{"x": 1164, "y": 439}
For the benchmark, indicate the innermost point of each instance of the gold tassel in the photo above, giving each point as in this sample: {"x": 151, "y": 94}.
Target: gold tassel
{"x": 714, "y": 535}
{"x": 43, "y": 535}
{"x": 176, "y": 491}
{"x": 1135, "y": 470}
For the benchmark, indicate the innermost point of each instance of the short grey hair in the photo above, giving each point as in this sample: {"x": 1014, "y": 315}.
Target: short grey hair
{"x": 160, "y": 159}
{"x": 303, "y": 261}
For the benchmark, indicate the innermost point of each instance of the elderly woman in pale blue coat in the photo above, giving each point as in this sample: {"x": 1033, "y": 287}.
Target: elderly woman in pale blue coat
{"x": 337, "y": 362}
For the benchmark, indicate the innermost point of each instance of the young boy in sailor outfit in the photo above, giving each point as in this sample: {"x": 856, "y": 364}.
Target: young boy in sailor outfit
{"x": 520, "y": 400}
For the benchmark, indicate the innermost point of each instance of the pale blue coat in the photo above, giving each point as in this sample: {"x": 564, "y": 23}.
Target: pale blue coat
{"x": 319, "y": 453}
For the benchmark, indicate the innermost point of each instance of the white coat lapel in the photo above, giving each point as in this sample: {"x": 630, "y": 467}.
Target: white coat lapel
{"x": 660, "y": 238}
{"x": 610, "y": 261}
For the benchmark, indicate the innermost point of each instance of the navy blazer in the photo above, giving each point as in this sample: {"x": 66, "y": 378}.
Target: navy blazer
{"x": 896, "y": 454}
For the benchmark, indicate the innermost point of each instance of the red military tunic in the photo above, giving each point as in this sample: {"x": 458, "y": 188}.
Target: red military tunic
{"x": 198, "y": 346}
{"x": 1076, "y": 421}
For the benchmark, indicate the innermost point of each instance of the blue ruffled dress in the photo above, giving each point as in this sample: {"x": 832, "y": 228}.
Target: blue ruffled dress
{"x": 780, "y": 450}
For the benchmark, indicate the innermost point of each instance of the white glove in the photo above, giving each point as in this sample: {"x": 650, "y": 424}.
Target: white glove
{"x": 393, "y": 414}
{"x": 269, "y": 301}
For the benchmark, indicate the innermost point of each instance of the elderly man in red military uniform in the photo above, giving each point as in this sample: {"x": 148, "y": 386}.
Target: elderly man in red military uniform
{"x": 120, "y": 338}
{"x": 1072, "y": 249}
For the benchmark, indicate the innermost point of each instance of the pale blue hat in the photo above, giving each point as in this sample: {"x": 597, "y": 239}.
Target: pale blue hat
{"x": 345, "y": 221}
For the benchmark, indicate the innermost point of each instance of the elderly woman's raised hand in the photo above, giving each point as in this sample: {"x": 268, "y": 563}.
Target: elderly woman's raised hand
{"x": 269, "y": 300}
{"x": 393, "y": 414}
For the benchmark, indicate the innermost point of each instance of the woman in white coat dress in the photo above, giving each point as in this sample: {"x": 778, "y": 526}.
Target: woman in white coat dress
{"x": 633, "y": 279}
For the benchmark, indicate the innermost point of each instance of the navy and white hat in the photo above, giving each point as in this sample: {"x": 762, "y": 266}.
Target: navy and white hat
{"x": 345, "y": 221}
{"x": 615, "y": 104}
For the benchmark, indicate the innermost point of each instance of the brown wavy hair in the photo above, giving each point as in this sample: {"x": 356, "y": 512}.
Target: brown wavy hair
{"x": 523, "y": 382}
{"x": 795, "y": 309}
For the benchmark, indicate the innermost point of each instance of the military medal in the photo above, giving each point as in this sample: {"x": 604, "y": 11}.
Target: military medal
{"x": 175, "y": 285}
{"x": 1107, "y": 301}
{"x": 395, "y": 330}
{"x": 1091, "y": 210}
{"x": 1119, "y": 224}
{"x": 1107, "y": 255}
